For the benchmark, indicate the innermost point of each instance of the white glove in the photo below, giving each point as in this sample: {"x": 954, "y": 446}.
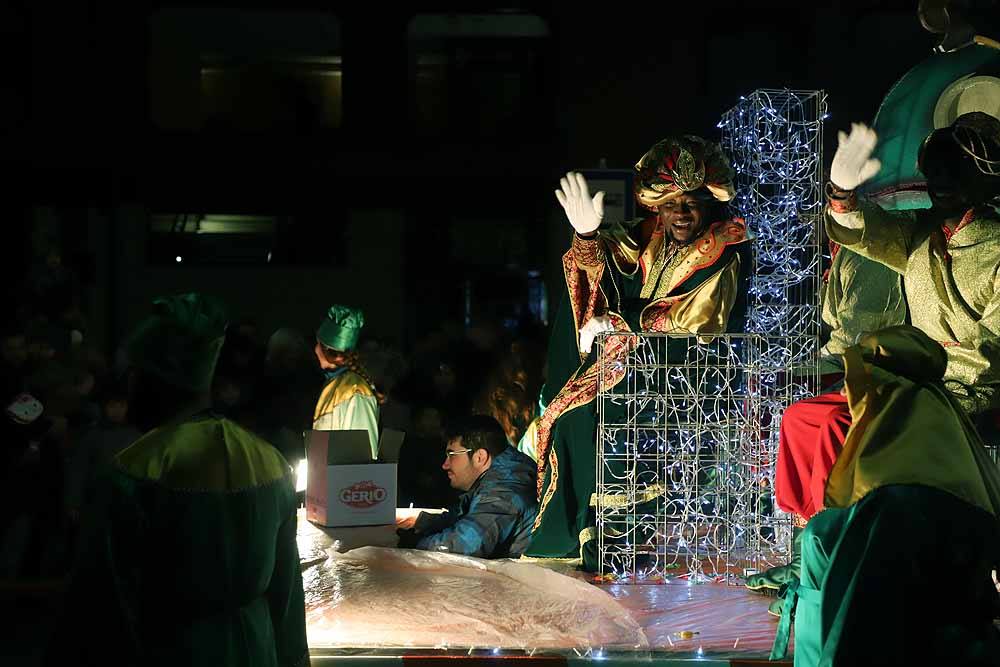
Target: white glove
{"x": 590, "y": 330}
{"x": 583, "y": 212}
{"x": 853, "y": 163}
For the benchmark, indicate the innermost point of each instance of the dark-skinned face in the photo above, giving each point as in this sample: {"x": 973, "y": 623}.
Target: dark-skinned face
{"x": 683, "y": 218}
{"x": 946, "y": 196}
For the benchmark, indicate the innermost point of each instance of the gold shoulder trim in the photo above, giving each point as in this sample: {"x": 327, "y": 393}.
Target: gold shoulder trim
{"x": 706, "y": 251}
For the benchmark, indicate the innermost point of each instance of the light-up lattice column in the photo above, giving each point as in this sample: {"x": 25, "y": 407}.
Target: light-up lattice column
{"x": 687, "y": 441}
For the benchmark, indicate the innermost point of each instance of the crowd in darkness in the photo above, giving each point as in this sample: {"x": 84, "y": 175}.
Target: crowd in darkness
{"x": 49, "y": 462}
{"x": 267, "y": 381}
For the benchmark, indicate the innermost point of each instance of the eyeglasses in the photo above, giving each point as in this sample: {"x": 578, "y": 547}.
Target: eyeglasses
{"x": 455, "y": 452}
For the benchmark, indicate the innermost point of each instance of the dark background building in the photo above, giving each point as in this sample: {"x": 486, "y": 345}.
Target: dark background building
{"x": 286, "y": 155}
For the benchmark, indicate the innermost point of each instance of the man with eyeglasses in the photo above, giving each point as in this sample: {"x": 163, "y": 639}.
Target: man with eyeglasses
{"x": 494, "y": 515}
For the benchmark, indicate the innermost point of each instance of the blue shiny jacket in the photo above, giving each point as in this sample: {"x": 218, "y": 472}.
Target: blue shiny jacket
{"x": 493, "y": 519}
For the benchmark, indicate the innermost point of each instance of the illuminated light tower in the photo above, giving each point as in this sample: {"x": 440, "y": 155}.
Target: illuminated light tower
{"x": 685, "y": 480}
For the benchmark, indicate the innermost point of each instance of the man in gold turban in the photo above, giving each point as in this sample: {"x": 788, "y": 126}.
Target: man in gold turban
{"x": 682, "y": 269}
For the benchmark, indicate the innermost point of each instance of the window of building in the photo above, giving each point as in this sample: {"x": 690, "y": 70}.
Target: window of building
{"x": 245, "y": 71}
{"x": 477, "y": 74}
{"x": 185, "y": 239}
{"x": 253, "y": 96}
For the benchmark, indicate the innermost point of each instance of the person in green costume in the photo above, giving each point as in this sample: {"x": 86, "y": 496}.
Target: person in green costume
{"x": 897, "y": 569}
{"x": 860, "y": 296}
{"x": 681, "y": 269}
{"x": 929, "y": 96}
{"x": 348, "y": 400}
{"x": 193, "y": 558}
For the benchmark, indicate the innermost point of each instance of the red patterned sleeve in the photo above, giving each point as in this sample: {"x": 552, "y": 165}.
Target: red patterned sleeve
{"x": 583, "y": 267}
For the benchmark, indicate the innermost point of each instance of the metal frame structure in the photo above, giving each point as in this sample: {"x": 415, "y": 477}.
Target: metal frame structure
{"x": 688, "y": 440}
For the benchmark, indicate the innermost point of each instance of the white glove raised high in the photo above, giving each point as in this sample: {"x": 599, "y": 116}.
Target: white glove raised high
{"x": 584, "y": 212}
{"x": 590, "y": 331}
{"x": 853, "y": 163}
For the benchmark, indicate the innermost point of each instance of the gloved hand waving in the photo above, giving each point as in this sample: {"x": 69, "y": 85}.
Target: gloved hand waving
{"x": 584, "y": 212}
{"x": 853, "y": 163}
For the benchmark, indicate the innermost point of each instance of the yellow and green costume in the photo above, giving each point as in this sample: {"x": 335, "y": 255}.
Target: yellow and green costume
{"x": 897, "y": 569}
{"x": 191, "y": 558}
{"x": 347, "y": 401}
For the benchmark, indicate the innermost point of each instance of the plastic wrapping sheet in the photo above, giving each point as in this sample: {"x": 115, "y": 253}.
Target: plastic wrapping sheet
{"x": 375, "y": 596}
{"x": 379, "y": 598}
{"x": 314, "y": 541}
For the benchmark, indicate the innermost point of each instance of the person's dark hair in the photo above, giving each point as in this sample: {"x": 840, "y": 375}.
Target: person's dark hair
{"x": 479, "y": 432}
{"x": 962, "y": 157}
{"x": 113, "y": 388}
{"x": 353, "y": 364}
{"x": 153, "y": 401}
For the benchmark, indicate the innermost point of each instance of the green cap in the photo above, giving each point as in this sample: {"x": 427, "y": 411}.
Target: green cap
{"x": 341, "y": 328}
{"x": 180, "y": 342}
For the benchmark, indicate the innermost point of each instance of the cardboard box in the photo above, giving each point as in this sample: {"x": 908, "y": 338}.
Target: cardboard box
{"x": 389, "y": 444}
{"x": 345, "y": 487}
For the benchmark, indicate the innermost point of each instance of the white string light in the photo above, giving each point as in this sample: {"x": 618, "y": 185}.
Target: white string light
{"x": 696, "y": 422}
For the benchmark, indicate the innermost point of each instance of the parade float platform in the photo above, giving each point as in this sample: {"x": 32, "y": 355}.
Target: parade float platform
{"x": 372, "y": 604}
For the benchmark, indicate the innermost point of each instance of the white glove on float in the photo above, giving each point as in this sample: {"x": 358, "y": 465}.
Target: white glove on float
{"x": 590, "y": 331}
{"x": 853, "y": 163}
{"x": 583, "y": 212}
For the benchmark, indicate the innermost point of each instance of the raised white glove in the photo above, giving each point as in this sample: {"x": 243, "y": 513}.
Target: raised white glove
{"x": 584, "y": 212}
{"x": 853, "y": 163}
{"x": 590, "y": 330}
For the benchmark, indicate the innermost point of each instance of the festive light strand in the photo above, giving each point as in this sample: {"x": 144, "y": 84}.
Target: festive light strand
{"x": 688, "y": 440}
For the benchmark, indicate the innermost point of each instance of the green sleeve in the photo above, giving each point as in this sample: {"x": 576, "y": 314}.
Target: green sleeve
{"x": 862, "y": 296}
{"x": 563, "y": 353}
{"x": 888, "y": 237}
{"x": 286, "y": 599}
